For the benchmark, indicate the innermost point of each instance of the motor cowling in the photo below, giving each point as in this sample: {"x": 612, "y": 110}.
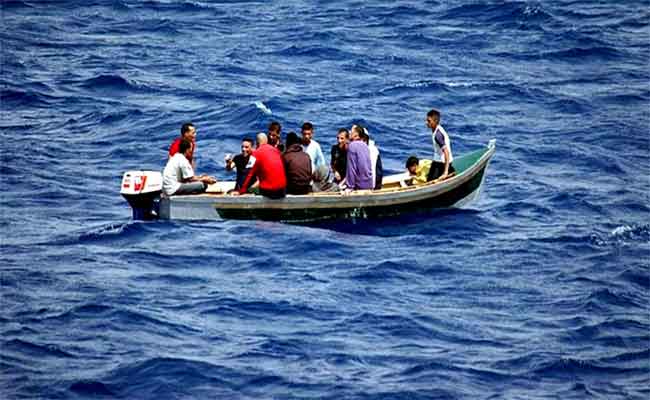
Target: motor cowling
{"x": 142, "y": 190}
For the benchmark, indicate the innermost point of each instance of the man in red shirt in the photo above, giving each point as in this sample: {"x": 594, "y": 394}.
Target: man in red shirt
{"x": 268, "y": 169}
{"x": 188, "y": 132}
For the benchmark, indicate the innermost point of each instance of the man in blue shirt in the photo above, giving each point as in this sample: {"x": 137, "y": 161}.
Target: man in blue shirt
{"x": 311, "y": 147}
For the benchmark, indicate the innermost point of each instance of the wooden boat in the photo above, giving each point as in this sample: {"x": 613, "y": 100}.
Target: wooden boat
{"x": 395, "y": 198}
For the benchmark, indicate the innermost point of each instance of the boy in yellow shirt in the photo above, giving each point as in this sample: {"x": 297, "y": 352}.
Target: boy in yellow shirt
{"x": 418, "y": 169}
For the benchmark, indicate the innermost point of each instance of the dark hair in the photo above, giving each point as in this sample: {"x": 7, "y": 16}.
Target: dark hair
{"x": 186, "y": 128}
{"x": 307, "y": 126}
{"x": 343, "y": 130}
{"x": 184, "y": 145}
{"x": 249, "y": 140}
{"x": 435, "y": 114}
{"x": 413, "y": 160}
{"x": 275, "y": 126}
{"x": 364, "y": 136}
{"x": 292, "y": 138}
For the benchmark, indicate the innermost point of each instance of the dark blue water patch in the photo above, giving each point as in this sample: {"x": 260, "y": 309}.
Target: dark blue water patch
{"x": 87, "y": 388}
{"x": 25, "y": 99}
{"x": 117, "y": 319}
{"x": 25, "y": 348}
{"x": 252, "y": 310}
{"x": 637, "y": 22}
{"x": 162, "y": 27}
{"x": 316, "y": 52}
{"x": 383, "y": 272}
{"x": 570, "y": 55}
{"x": 637, "y": 275}
{"x": 171, "y": 280}
{"x": 571, "y": 368}
{"x": 12, "y": 5}
{"x": 113, "y": 83}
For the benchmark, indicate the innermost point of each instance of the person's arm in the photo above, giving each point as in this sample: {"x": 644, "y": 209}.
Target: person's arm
{"x": 230, "y": 164}
{"x": 350, "y": 175}
{"x": 321, "y": 156}
{"x": 445, "y": 151}
{"x": 247, "y": 181}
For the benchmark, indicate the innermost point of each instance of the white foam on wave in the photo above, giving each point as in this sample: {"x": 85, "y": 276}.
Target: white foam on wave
{"x": 621, "y": 230}
{"x": 263, "y": 108}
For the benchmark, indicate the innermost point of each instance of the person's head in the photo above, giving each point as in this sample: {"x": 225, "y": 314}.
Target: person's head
{"x": 292, "y": 139}
{"x": 185, "y": 148}
{"x": 433, "y": 118}
{"x": 247, "y": 146}
{"x": 363, "y": 135}
{"x": 342, "y": 138}
{"x": 307, "y": 131}
{"x": 275, "y": 133}
{"x": 261, "y": 139}
{"x": 188, "y": 131}
{"x": 412, "y": 164}
{"x": 355, "y": 132}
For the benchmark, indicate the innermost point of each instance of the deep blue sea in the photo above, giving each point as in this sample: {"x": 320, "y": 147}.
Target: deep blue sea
{"x": 539, "y": 290}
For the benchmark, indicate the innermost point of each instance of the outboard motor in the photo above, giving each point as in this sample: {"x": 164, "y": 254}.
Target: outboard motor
{"x": 142, "y": 190}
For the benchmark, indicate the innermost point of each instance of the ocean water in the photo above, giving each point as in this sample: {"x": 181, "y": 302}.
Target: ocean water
{"x": 540, "y": 290}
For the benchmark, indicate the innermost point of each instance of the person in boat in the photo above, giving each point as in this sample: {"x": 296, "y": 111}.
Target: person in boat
{"x": 275, "y": 135}
{"x": 375, "y": 159}
{"x": 339, "y": 155}
{"x": 311, "y": 147}
{"x": 242, "y": 162}
{"x": 359, "y": 168}
{"x": 442, "y": 166}
{"x": 297, "y": 166}
{"x": 188, "y": 132}
{"x": 268, "y": 169}
{"x": 323, "y": 181}
{"x": 418, "y": 169}
{"x": 178, "y": 175}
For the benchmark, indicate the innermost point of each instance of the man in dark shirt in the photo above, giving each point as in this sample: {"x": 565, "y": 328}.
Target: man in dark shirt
{"x": 297, "y": 166}
{"x": 242, "y": 162}
{"x": 339, "y": 158}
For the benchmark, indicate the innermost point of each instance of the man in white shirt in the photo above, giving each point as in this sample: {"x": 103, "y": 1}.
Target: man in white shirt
{"x": 178, "y": 175}
{"x": 441, "y": 168}
{"x": 311, "y": 147}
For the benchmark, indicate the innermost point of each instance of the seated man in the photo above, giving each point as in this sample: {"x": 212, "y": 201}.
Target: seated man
{"x": 242, "y": 162}
{"x": 268, "y": 169}
{"x": 275, "y": 135}
{"x": 297, "y": 166}
{"x": 178, "y": 175}
{"x": 188, "y": 132}
{"x": 339, "y": 155}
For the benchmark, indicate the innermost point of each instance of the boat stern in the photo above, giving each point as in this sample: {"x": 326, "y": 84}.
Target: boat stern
{"x": 142, "y": 190}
